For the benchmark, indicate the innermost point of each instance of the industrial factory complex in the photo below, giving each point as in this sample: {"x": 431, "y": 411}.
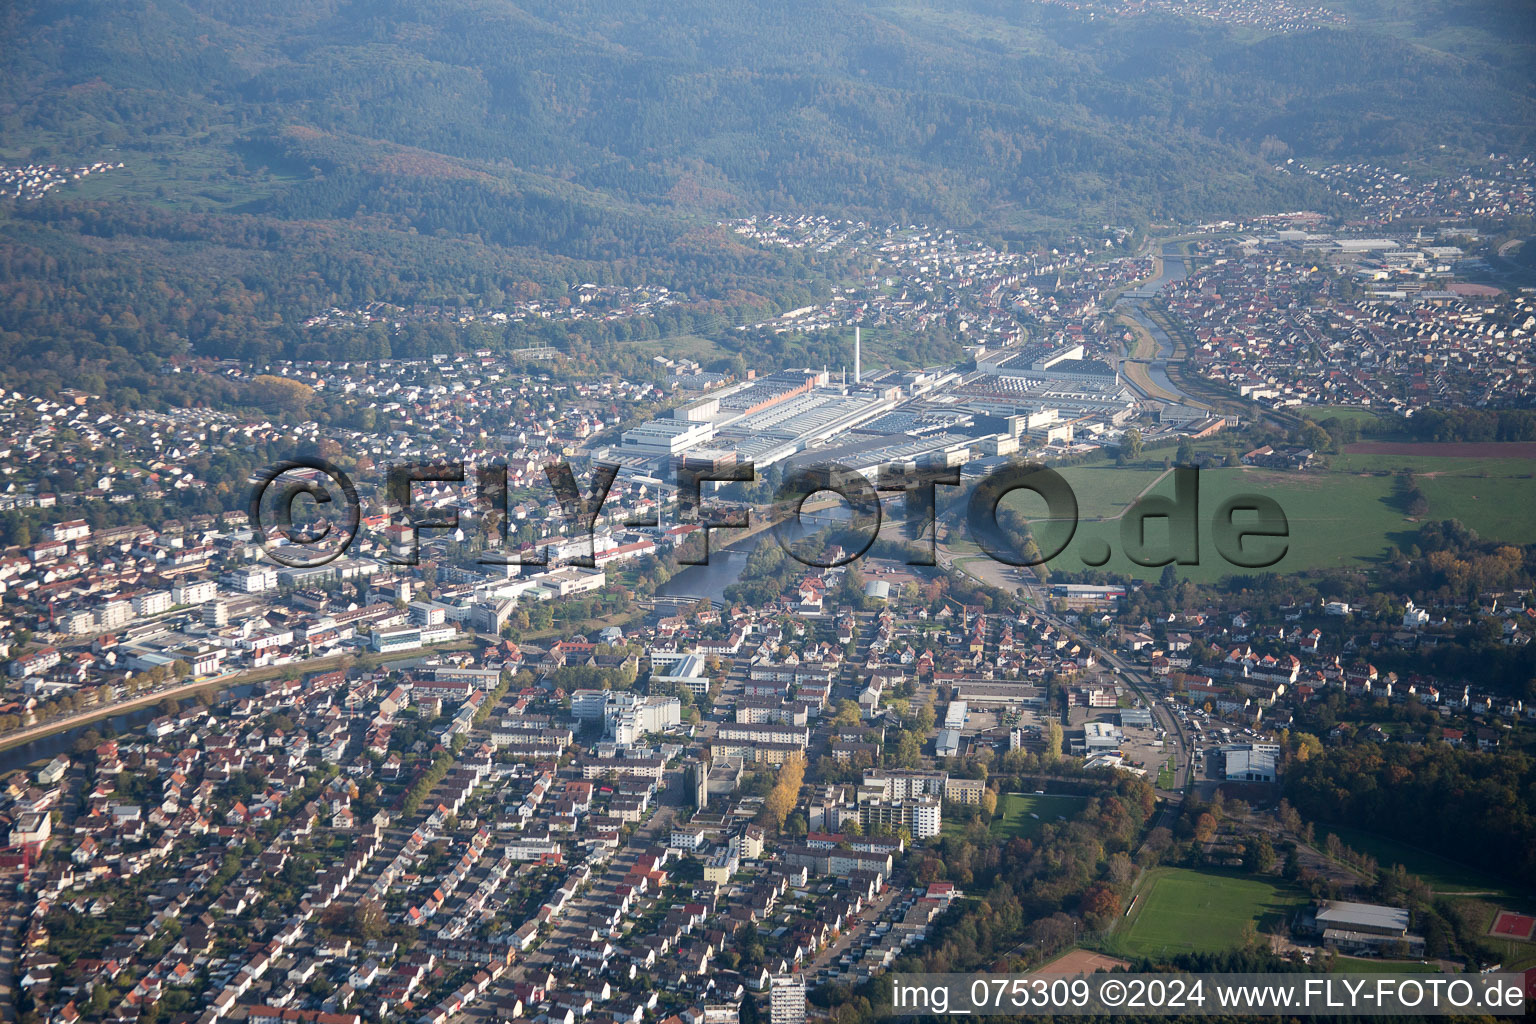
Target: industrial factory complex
{"x": 1033, "y": 399}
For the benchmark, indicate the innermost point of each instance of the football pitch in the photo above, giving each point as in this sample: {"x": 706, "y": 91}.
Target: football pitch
{"x": 1185, "y": 911}
{"x": 1014, "y": 810}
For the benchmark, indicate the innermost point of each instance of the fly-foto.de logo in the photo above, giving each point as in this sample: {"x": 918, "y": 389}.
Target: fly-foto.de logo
{"x": 1247, "y": 531}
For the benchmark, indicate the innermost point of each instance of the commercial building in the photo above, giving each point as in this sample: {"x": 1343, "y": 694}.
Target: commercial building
{"x": 1101, "y": 737}
{"x": 1250, "y": 762}
{"x": 955, "y": 716}
{"x": 680, "y": 669}
{"x": 385, "y": 641}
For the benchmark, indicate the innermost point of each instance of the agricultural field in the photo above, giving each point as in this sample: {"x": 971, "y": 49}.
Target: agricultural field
{"x": 1350, "y": 514}
{"x": 1014, "y": 810}
{"x": 1184, "y": 911}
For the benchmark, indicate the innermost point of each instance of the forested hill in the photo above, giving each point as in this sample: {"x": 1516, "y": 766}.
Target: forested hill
{"x": 290, "y": 154}
{"x": 955, "y": 113}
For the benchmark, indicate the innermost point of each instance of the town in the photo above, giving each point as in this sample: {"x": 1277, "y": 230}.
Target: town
{"x": 501, "y": 767}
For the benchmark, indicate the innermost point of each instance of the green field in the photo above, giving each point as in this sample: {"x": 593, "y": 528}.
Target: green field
{"x": 1371, "y": 965}
{"x": 1516, "y": 954}
{"x": 1347, "y": 413}
{"x": 1014, "y": 810}
{"x": 1104, "y": 491}
{"x": 1185, "y": 911}
{"x": 679, "y": 346}
{"x": 1492, "y": 496}
{"x": 1444, "y": 876}
{"x": 1348, "y": 515}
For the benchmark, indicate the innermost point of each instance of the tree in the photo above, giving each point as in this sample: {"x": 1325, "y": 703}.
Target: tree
{"x": 1205, "y": 827}
{"x": 1100, "y": 904}
{"x": 785, "y": 793}
{"x": 1259, "y": 855}
{"x": 1289, "y": 819}
{"x": 279, "y": 394}
{"x": 1130, "y": 445}
{"x": 1053, "y": 738}
{"x": 1120, "y": 868}
{"x": 848, "y": 714}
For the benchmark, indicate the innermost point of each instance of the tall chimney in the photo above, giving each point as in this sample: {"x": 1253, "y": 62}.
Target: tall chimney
{"x": 856, "y": 375}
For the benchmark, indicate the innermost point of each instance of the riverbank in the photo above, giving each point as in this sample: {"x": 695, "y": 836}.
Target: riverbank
{"x": 219, "y": 685}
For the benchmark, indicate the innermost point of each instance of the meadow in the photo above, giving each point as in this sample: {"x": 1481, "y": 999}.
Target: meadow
{"x": 1186, "y": 911}
{"x": 1443, "y": 875}
{"x": 1350, "y": 514}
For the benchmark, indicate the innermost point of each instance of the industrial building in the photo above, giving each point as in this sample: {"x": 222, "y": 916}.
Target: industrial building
{"x": 1250, "y": 762}
{"x": 1366, "y": 928}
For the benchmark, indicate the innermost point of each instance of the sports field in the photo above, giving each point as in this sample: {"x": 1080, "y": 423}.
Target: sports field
{"x": 1080, "y": 961}
{"x": 1510, "y": 925}
{"x": 1502, "y": 928}
{"x": 1185, "y": 911}
{"x": 1014, "y": 810}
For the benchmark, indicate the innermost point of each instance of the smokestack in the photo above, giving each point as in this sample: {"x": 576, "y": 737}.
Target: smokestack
{"x": 856, "y": 374}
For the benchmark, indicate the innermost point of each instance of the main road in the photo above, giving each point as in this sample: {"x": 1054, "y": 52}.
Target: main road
{"x": 998, "y": 575}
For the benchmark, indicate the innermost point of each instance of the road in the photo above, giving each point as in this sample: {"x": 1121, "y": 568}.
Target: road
{"x": 1010, "y": 579}
{"x": 574, "y": 924}
{"x": 867, "y": 919}
{"x": 13, "y": 917}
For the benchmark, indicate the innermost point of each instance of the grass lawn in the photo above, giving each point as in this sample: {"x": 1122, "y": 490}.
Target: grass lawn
{"x": 1186, "y": 911}
{"x": 1345, "y": 413}
{"x": 1166, "y": 775}
{"x": 1014, "y": 810}
{"x": 679, "y": 346}
{"x": 1343, "y": 517}
{"x": 1371, "y": 965}
{"x": 1443, "y": 875}
{"x": 1104, "y": 492}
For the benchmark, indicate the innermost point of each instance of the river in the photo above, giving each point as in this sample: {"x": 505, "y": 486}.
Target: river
{"x": 725, "y": 564}
{"x": 1174, "y": 269}
{"x": 45, "y": 748}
